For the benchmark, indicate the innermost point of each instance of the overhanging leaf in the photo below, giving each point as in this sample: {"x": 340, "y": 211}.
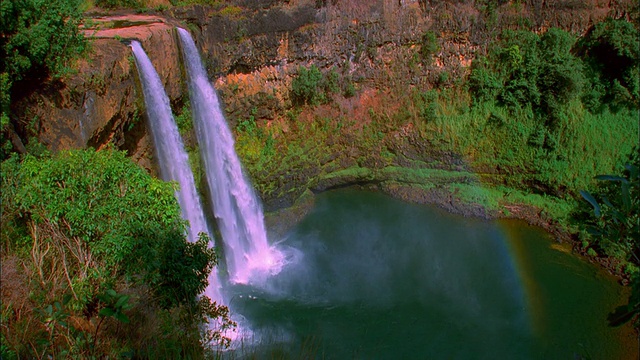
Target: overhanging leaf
{"x": 122, "y": 301}
{"x": 106, "y": 312}
{"x": 611, "y": 178}
{"x": 587, "y": 196}
{"x": 121, "y": 317}
{"x": 633, "y": 171}
{"x": 626, "y": 196}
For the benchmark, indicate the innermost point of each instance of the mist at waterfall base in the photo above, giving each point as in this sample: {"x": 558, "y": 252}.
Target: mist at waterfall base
{"x": 377, "y": 278}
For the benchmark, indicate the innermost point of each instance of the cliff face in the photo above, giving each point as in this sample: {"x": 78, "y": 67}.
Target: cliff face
{"x": 101, "y": 102}
{"x": 254, "y": 49}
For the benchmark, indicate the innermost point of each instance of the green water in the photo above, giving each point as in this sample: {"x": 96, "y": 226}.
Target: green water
{"x": 376, "y": 278}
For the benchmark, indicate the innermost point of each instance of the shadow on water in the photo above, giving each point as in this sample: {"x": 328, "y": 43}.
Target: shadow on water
{"x": 372, "y": 277}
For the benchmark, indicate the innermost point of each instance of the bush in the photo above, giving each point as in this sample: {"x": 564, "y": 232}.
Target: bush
{"x": 349, "y": 90}
{"x": 87, "y": 222}
{"x": 305, "y": 87}
{"x": 611, "y": 52}
{"x": 117, "y": 4}
{"x": 429, "y": 47}
{"x": 101, "y": 205}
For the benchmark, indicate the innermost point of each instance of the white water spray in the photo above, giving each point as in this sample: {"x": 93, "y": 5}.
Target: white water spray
{"x": 235, "y": 205}
{"x": 173, "y": 160}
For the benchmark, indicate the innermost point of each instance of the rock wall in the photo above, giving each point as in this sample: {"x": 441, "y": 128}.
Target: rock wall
{"x": 101, "y": 103}
{"x": 254, "y": 49}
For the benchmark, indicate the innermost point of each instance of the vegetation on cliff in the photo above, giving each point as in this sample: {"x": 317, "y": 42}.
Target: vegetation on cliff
{"x": 38, "y": 39}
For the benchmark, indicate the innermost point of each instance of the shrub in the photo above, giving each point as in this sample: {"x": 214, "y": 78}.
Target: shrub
{"x": 305, "y": 87}
{"x": 349, "y": 90}
{"x": 117, "y": 4}
{"x": 87, "y": 222}
{"x": 429, "y": 47}
{"x": 611, "y": 52}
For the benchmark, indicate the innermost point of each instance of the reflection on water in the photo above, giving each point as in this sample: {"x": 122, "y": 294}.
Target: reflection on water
{"x": 372, "y": 277}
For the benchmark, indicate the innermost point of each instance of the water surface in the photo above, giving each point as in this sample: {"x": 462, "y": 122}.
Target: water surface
{"x": 377, "y": 278}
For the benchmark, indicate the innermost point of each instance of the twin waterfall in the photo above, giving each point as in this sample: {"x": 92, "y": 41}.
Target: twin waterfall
{"x": 237, "y": 210}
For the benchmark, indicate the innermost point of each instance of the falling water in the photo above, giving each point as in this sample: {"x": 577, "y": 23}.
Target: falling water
{"x": 234, "y": 202}
{"x": 174, "y": 161}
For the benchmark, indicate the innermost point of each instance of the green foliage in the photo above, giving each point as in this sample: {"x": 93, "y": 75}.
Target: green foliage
{"x": 248, "y": 125}
{"x": 349, "y": 90}
{"x": 615, "y": 225}
{"x": 86, "y": 223}
{"x": 611, "y": 52}
{"x": 331, "y": 82}
{"x": 426, "y": 104}
{"x": 524, "y": 70}
{"x": 114, "y": 305}
{"x": 615, "y": 228}
{"x": 102, "y": 205}
{"x": 231, "y": 11}
{"x": 548, "y": 97}
{"x": 216, "y": 4}
{"x": 484, "y": 84}
{"x": 39, "y": 39}
{"x": 5, "y": 100}
{"x": 184, "y": 120}
{"x": 561, "y": 77}
{"x": 305, "y": 88}
{"x": 183, "y": 270}
{"x": 312, "y": 87}
{"x": 116, "y": 4}
{"x": 429, "y": 47}
{"x": 60, "y": 337}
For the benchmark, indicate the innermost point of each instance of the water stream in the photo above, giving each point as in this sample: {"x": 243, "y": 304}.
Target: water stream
{"x": 235, "y": 205}
{"x": 172, "y": 158}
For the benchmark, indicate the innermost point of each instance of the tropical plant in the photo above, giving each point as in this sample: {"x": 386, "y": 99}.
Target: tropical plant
{"x": 615, "y": 227}
{"x": 616, "y": 214}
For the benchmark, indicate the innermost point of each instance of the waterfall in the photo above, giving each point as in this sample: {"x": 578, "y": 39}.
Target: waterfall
{"x": 173, "y": 159}
{"x": 235, "y": 205}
